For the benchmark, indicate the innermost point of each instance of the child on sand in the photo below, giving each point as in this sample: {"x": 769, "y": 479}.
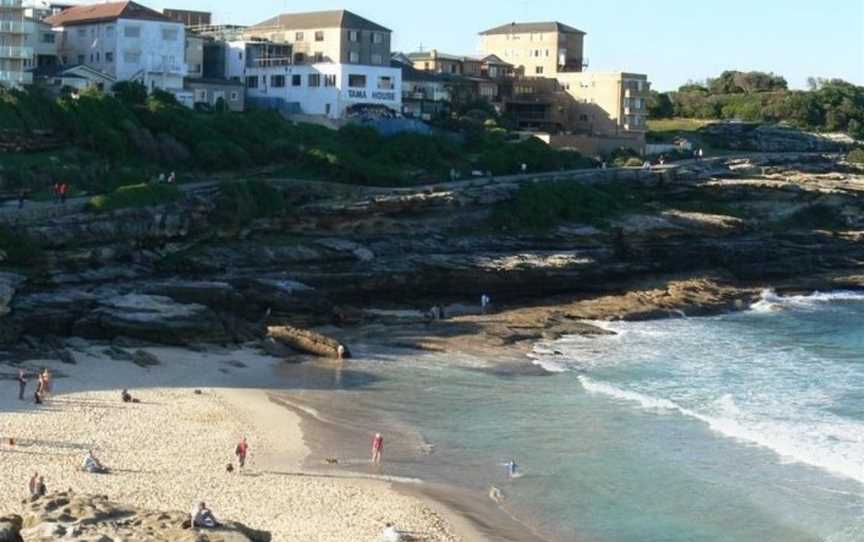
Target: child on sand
{"x": 377, "y": 448}
{"x": 241, "y": 451}
{"x": 22, "y": 383}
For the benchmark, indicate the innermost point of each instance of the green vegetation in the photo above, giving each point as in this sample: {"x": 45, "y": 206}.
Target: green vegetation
{"x": 124, "y": 139}
{"x": 830, "y": 105}
{"x": 18, "y": 248}
{"x": 856, "y": 156}
{"x": 136, "y": 196}
{"x": 542, "y": 206}
{"x": 238, "y": 203}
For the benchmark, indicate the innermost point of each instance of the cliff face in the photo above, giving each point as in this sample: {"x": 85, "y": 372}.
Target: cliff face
{"x": 173, "y": 275}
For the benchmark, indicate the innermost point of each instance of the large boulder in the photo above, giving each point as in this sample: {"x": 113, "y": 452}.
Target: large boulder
{"x": 152, "y": 318}
{"x": 80, "y": 518}
{"x": 306, "y": 341}
{"x": 9, "y": 283}
{"x": 10, "y": 529}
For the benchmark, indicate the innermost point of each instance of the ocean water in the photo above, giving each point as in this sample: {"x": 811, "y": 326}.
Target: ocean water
{"x": 747, "y": 426}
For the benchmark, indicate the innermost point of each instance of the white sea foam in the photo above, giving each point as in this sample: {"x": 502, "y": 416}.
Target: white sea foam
{"x": 807, "y": 442}
{"x": 770, "y": 301}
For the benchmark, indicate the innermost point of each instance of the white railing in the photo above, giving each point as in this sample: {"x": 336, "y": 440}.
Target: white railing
{"x": 13, "y": 51}
{"x": 12, "y": 27}
{"x": 16, "y": 78}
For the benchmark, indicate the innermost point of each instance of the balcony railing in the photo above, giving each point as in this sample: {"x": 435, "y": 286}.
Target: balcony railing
{"x": 16, "y": 78}
{"x": 12, "y": 27}
{"x": 10, "y": 3}
{"x": 16, "y": 52}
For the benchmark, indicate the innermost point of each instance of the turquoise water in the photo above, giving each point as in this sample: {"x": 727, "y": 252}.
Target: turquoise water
{"x": 742, "y": 427}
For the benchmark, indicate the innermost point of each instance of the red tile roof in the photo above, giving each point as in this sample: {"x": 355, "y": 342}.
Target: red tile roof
{"x": 99, "y": 13}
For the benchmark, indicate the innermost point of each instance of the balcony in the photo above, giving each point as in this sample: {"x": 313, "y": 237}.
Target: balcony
{"x": 16, "y": 78}
{"x": 11, "y": 4}
{"x": 15, "y": 52}
{"x": 12, "y": 27}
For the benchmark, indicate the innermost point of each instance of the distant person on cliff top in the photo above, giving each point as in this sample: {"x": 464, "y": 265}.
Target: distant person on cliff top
{"x": 377, "y": 448}
{"x": 241, "y": 451}
{"x": 22, "y": 383}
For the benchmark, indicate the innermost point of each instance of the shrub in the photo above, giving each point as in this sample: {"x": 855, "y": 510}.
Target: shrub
{"x": 19, "y": 248}
{"x": 856, "y": 156}
{"x": 542, "y": 206}
{"x": 240, "y": 202}
{"x": 136, "y": 196}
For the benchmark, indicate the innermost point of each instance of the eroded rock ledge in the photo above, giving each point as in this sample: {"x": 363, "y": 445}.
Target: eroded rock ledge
{"x": 92, "y": 518}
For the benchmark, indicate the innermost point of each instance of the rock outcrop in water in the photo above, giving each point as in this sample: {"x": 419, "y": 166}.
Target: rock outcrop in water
{"x": 175, "y": 275}
{"x": 89, "y": 518}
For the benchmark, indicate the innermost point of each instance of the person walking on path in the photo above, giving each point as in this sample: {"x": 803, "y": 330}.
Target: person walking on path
{"x": 56, "y": 190}
{"x": 377, "y": 448}
{"x": 64, "y": 190}
{"x": 241, "y": 451}
{"x": 22, "y": 383}
{"x": 484, "y": 303}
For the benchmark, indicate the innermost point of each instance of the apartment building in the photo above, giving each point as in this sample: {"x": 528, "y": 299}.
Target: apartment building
{"x": 125, "y": 40}
{"x": 188, "y": 17}
{"x": 41, "y": 41}
{"x": 42, "y": 9}
{"x": 606, "y": 103}
{"x": 13, "y": 52}
{"x": 339, "y": 37}
{"x": 331, "y": 63}
{"x": 609, "y": 103}
{"x": 537, "y": 49}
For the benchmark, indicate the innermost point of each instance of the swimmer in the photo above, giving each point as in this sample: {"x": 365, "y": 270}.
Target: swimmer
{"x": 512, "y": 468}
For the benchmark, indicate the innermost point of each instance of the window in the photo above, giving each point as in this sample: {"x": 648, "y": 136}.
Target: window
{"x": 298, "y": 36}
{"x": 296, "y": 80}
{"x": 356, "y": 81}
{"x": 538, "y": 70}
{"x": 385, "y": 83}
{"x": 377, "y": 60}
{"x": 80, "y": 59}
{"x": 235, "y": 95}
{"x": 353, "y": 36}
{"x": 48, "y": 38}
{"x": 583, "y": 118}
{"x": 91, "y": 58}
{"x": 200, "y": 95}
{"x": 354, "y": 57}
{"x": 132, "y": 31}
{"x": 377, "y": 37}
{"x": 330, "y": 80}
{"x": 547, "y": 53}
{"x": 319, "y": 35}
{"x": 109, "y": 31}
{"x": 319, "y": 57}
{"x": 97, "y": 57}
{"x": 277, "y": 81}
{"x": 299, "y": 58}
{"x": 131, "y": 58}
{"x": 169, "y": 34}
{"x": 327, "y": 109}
{"x": 252, "y": 81}
{"x": 82, "y": 32}
{"x": 314, "y": 79}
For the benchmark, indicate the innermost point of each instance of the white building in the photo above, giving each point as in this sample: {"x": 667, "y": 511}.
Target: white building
{"x": 125, "y": 40}
{"x": 329, "y": 89}
{"x": 13, "y": 52}
{"x": 41, "y": 40}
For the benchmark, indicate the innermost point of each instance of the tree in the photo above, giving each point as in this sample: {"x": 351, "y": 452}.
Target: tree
{"x": 660, "y": 105}
{"x": 131, "y": 93}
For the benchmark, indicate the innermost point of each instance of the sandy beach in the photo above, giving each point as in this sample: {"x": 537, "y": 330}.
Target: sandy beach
{"x": 170, "y": 450}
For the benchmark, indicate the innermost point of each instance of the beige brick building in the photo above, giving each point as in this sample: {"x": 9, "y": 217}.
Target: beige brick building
{"x": 337, "y": 36}
{"x": 539, "y": 49}
{"x": 604, "y": 103}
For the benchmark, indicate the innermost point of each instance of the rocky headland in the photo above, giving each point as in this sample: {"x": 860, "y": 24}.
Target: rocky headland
{"x": 369, "y": 262}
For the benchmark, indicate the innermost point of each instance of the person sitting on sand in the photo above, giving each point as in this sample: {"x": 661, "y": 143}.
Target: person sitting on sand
{"x": 203, "y": 517}
{"x": 126, "y": 396}
{"x": 34, "y": 483}
{"x": 390, "y": 534}
{"x": 93, "y": 465}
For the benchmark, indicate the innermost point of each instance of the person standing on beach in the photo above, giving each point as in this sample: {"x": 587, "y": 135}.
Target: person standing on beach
{"x": 377, "y": 448}
{"x": 22, "y": 383}
{"x": 34, "y": 484}
{"x": 241, "y": 451}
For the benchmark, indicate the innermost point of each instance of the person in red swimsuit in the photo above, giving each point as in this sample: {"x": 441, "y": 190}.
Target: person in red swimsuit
{"x": 377, "y": 448}
{"x": 241, "y": 451}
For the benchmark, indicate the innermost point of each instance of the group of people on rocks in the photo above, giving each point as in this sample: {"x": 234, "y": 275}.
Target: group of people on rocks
{"x": 61, "y": 192}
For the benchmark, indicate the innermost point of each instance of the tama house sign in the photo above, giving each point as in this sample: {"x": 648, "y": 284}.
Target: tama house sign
{"x": 375, "y": 95}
